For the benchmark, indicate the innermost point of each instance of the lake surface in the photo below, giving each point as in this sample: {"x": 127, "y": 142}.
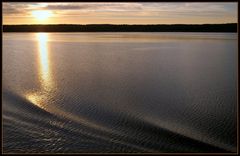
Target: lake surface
{"x": 119, "y": 92}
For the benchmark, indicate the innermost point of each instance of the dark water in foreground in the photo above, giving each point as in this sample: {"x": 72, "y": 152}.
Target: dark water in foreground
{"x": 119, "y": 92}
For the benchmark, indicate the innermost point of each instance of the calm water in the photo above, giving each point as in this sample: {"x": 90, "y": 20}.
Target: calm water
{"x": 119, "y": 92}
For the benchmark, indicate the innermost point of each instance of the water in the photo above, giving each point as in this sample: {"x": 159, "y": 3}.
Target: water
{"x": 119, "y": 92}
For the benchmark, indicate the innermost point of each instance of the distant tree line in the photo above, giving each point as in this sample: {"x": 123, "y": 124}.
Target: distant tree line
{"x": 230, "y": 27}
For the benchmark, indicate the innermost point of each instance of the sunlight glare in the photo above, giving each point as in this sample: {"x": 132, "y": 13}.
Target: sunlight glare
{"x": 42, "y": 14}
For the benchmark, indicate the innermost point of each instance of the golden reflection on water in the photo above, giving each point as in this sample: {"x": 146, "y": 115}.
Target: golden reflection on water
{"x": 44, "y": 68}
{"x": 41, "y": 96}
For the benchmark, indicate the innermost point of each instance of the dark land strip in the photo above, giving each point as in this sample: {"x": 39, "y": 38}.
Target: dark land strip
{"x": 229, "y": 27}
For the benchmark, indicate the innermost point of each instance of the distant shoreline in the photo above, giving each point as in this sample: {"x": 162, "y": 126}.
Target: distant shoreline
{"x": 229, "y": 27}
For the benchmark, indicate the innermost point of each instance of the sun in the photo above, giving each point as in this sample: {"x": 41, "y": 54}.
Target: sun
{"x": 42, "y": 14}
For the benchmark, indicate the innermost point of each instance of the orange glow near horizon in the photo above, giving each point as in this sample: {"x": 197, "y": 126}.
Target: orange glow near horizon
{"x": 119, "y": 13}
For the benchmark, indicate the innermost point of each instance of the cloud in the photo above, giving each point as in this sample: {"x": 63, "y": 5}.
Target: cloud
{"x": 8, "y": 8}
{"x": 67, "y": 7}
{"x": 96, "y": 6}
{"x": 158, "y": 11}
{"x": 19, "y": 9}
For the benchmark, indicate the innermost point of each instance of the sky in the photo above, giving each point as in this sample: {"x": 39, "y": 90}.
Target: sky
{"x": 119, "y": 13}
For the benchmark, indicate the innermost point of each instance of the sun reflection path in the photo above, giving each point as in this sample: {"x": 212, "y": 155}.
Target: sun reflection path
{"x": 44, "y": 69}
{"x": 41, "y": 96}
